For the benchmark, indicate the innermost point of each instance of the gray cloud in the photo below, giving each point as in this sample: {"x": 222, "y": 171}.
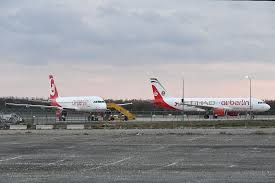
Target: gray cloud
{"x": 129, "y": 32}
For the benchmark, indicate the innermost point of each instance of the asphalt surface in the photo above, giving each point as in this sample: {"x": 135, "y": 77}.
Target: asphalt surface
{"x": 137, "y": 156}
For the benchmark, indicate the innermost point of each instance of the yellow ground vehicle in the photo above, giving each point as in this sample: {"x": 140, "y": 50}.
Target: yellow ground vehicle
{"x": 125, "y": 114}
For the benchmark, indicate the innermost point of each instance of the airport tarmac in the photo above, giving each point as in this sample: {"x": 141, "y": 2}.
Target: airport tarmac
{"x": 155, "y": 155}
{"x": 164, "y": 118}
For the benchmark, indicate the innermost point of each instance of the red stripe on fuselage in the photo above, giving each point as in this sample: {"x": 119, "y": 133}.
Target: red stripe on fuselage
{"x": 159, "y": 100}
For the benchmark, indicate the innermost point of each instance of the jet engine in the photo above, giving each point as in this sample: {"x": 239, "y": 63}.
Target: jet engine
{"x": 219, "y": 112}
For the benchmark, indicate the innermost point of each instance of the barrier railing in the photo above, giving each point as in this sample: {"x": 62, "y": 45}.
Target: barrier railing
{"x": 48, "y": 116}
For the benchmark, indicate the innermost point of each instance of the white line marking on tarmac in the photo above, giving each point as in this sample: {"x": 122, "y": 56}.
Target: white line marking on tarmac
{"x": 117, "y": 161}
{"x": 113, "y": 163}
{"x": 228, "y": 139}
{"x": 70, "y": 147}
{"x": 165, "y": 166}
{"x": 16, "y": 157}
{"x": 54, "y": 163}
{"x": 172, "y": 164}
{"x": 196, "y": 138}
{"x": 159, "y": 148}
{"x": 204, "y": 149}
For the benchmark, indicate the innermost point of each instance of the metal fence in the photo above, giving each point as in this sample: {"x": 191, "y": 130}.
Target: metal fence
{"x": 48, "y": 116}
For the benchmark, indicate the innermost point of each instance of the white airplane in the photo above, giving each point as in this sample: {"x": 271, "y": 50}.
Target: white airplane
{"x": 90, "y": 104}
{"x": 216, "y": 106}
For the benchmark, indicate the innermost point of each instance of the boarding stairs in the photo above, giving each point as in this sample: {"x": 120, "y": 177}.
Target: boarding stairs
{"x": 122, "y": 110}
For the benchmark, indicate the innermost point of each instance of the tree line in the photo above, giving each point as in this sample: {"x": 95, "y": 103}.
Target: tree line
{"x": 137, "y": 104}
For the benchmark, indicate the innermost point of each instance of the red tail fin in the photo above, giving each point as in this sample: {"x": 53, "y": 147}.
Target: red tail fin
{"x": 158, "y": 90}
{"x": 53, "y": 90}
{"x": 156, "y": 93}
{"x": 159, "y": 94}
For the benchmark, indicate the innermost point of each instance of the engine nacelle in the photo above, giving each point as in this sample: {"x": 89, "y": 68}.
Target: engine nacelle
{"x": 219, "y": 112}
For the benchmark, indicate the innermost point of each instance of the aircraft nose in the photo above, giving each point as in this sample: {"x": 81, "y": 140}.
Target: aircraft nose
{"x": 104, "y": 106}
{"x": 267, "y": 107}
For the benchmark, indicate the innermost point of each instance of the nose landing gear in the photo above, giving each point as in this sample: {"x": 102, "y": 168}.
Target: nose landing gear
{"x": 61, "y": 115}
{"x": 92, "y": 117}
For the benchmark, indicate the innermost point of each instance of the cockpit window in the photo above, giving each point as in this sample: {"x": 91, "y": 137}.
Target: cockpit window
{"x": 99, "y": 101}
{"x": 261, "y": 102}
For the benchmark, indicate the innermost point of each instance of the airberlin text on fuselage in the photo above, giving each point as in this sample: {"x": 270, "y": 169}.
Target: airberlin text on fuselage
{"x": 80, "y": 102}
{"x": 210, "y": 103}
{"x": 232, "y": 102}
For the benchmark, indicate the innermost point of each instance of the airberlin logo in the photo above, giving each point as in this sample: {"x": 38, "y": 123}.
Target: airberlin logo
{"x": 232, "y": 102}
{"x": 156, "y": 93}
{"x": 52, "y": 89}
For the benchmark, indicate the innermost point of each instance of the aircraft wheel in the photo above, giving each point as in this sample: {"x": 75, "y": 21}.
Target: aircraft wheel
{"x": 206, "y": 116}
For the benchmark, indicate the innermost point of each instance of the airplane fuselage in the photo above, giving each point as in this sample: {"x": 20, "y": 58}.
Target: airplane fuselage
{"x": 218, "y": 106}
{"x": 81, "y": 103}
{"x": 229, "y": 104}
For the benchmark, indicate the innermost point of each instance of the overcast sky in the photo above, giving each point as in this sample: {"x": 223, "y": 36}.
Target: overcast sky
{"x": 111, "y": 48}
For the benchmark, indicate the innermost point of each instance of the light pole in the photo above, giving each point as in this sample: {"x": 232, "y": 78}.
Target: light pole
{"x": 250, "y": 104}
{"x": 182, "y": 100}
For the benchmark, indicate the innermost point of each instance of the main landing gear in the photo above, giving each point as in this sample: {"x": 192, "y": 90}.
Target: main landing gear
{"x": 251, "y": 116}
{"x": 62, "y": 115}
{"x": 92, "y": 117}
{"x": 206, "y": 116}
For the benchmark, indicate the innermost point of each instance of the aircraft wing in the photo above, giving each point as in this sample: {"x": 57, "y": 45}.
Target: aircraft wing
{"x": 130, "y": 103}
{"x": 33, "y": 105}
